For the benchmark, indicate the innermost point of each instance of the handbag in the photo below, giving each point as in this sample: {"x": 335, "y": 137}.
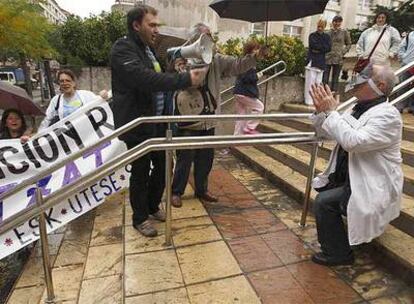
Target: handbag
{"x": 55, "y": 117}
{"x": 361, "y": 63}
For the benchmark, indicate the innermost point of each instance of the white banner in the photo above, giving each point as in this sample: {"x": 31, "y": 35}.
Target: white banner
{"x": 21, "y": 161}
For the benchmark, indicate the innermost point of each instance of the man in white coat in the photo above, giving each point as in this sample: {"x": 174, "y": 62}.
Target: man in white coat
{"x": 363, "y": 180}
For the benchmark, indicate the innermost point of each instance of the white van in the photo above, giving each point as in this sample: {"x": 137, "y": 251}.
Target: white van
{"x": 8, "y": 76}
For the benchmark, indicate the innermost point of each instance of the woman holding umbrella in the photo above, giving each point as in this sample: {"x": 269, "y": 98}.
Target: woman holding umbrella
{"x": 319, "y": 44}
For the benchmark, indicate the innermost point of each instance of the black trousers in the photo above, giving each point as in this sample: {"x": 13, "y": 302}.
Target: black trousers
{"x": 336, "y": 70}
{"x": 146, "y": 184}
{"x": 203, "y": 162}
{"x": 329, "y": 207}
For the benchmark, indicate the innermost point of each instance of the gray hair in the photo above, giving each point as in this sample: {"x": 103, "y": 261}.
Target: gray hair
{"x": 384, "y": 74}
{"x": 197, "y": 30}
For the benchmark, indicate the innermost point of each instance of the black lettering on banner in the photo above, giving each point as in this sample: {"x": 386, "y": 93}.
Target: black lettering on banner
{"x": 30, "y": 155}
{"x": 95, "y": 192}
{"x": 34, "y": 224}
{"x": 103, "y": 184}
{"x": 70, "y": 132}
{"x": 97, "y": 124}
{"x": 49, "y": 218}
{"x": 77, "y": 208}
{"x": 11, "y": 167}
{"x": 41, "y": 152}
{"x": 86, "y": 196}
{"x": 20, "y": 235}
{"x": 113, "y": 182}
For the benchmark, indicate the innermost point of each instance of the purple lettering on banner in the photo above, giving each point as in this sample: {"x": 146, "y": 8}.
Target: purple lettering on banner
{"x": 3, "y": 189}
{"x": 42, "y": 185}
{"x": 98, "y": 154}
{"x": 71, "y": 173}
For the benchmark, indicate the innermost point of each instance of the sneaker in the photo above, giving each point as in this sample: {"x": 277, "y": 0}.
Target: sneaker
{"x": 159, "y": 215}
{"x": 146, "y": 229}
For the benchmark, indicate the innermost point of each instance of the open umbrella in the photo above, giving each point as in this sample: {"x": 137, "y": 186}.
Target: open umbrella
{"x": 15, "y": 97}
{"x": 268, "y": 10}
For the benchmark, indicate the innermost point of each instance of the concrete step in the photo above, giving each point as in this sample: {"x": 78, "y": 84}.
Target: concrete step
{"x": 394, "y": 246}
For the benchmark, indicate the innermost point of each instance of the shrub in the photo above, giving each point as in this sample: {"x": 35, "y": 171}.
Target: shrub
{"x": 290, "y": 50}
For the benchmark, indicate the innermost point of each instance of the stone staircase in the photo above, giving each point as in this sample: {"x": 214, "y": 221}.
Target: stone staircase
{"x": 287, "y": 166}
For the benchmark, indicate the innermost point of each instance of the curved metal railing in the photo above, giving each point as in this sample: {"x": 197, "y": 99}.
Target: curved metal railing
{"x": 273, "y": 66}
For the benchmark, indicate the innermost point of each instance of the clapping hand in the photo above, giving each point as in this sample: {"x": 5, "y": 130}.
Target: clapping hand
{"x": 323, "y": 98}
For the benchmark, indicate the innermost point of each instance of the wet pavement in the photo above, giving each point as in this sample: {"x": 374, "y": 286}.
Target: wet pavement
{"x": 246, "y": 248}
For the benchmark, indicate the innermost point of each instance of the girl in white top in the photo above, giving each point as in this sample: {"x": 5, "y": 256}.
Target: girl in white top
{"x": 69, "y": 101}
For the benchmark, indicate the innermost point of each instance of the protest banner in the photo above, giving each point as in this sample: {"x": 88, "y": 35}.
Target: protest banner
{"x": 20, "y": 161}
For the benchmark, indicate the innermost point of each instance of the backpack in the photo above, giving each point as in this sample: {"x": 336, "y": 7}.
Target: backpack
{"x": 194, "y": 101}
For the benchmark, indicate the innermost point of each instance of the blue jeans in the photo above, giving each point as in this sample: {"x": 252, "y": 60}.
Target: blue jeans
{"x": 203, "y": 162}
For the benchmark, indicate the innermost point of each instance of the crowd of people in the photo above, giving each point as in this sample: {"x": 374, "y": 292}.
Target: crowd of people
{"x": 363, "y": 180}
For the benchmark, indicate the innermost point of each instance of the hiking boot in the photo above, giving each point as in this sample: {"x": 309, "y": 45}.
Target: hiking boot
{"x": 159, "y": 215}
{"x": 146, "y": 229}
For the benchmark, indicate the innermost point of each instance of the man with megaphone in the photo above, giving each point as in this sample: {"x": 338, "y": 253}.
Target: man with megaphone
{"x": 201, "y": 100}
{"x": 138, "y": 86}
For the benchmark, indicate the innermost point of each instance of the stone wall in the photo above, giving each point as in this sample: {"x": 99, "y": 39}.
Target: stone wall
{"x": 280, "y": 90}
{"x": 94, "y": 79}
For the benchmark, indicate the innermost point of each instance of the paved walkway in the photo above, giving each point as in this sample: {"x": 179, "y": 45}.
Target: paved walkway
{"x": 247, "y": 248}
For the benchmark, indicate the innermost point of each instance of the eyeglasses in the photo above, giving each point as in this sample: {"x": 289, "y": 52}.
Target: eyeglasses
{"x": 65, "y": 81}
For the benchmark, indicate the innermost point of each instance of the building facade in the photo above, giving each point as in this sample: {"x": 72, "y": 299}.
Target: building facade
{"x": 53, "y": 12}
{"x": 185, "y": 13}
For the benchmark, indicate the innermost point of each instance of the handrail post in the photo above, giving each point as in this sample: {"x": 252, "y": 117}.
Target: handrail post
{"x": 311, "y": 174}
{"x": 45, "y": 250}
{"x": 168, "y": 185}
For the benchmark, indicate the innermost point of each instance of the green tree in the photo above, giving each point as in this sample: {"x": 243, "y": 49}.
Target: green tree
{"x": 290, "y": 50}
{"x": 88, "y": 41}
{"x": 23, "y": 33}
{"x": 402, "y": 17}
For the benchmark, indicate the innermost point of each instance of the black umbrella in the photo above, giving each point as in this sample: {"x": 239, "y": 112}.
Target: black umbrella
{"x": 268, "y": 10}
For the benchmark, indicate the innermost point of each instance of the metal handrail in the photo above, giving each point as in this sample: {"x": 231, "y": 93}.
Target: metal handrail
{"x": 135, "y": 123}
{"x": 277, "y": 73}
{"x": 401, "y": 70}
{"x": 147, "y": 146}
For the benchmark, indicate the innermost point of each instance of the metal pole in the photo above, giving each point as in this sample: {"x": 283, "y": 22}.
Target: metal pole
{"x": 168, "y": 185}
{"x": 45, "y": 251}
{"x": 311, "y": 173}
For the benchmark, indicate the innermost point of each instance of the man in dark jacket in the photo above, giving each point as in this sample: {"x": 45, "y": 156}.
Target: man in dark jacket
{"x": 319, "y": 45}
{"x": 138, "y": 85}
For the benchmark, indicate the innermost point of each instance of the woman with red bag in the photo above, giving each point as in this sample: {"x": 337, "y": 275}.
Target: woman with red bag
{"x": 379, "y": 43}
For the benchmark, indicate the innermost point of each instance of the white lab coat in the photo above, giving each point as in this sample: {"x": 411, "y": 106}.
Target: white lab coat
{"x": 375, "y": 173}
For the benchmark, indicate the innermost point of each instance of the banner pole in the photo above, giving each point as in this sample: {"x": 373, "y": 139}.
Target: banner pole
{"x": 45, "y": 251}
{"x": 168, "y": 185}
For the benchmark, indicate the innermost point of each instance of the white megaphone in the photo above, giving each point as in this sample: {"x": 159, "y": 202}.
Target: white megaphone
{"x": 201, "y": 49}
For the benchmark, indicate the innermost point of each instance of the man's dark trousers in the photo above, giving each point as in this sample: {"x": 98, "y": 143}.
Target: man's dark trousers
{"x": 329, "y": 207}
{"x": 336, "y": 70}
{"x": 203, "y": 162}
{"x": 146, "y": 184}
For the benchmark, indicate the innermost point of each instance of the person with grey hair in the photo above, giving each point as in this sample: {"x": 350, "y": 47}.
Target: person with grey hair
{"x": 363, "y": 180}
{"x": 207, "y": 98}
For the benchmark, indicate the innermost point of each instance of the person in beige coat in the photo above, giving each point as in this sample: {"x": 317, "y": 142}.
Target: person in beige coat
{"x": 222, "y": 66}
{"x": 364, "y": 178}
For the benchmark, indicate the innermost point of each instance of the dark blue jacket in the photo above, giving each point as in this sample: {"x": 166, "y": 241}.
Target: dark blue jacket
{"x": 246, "y": 84}
{"x": 319, "y": 45}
